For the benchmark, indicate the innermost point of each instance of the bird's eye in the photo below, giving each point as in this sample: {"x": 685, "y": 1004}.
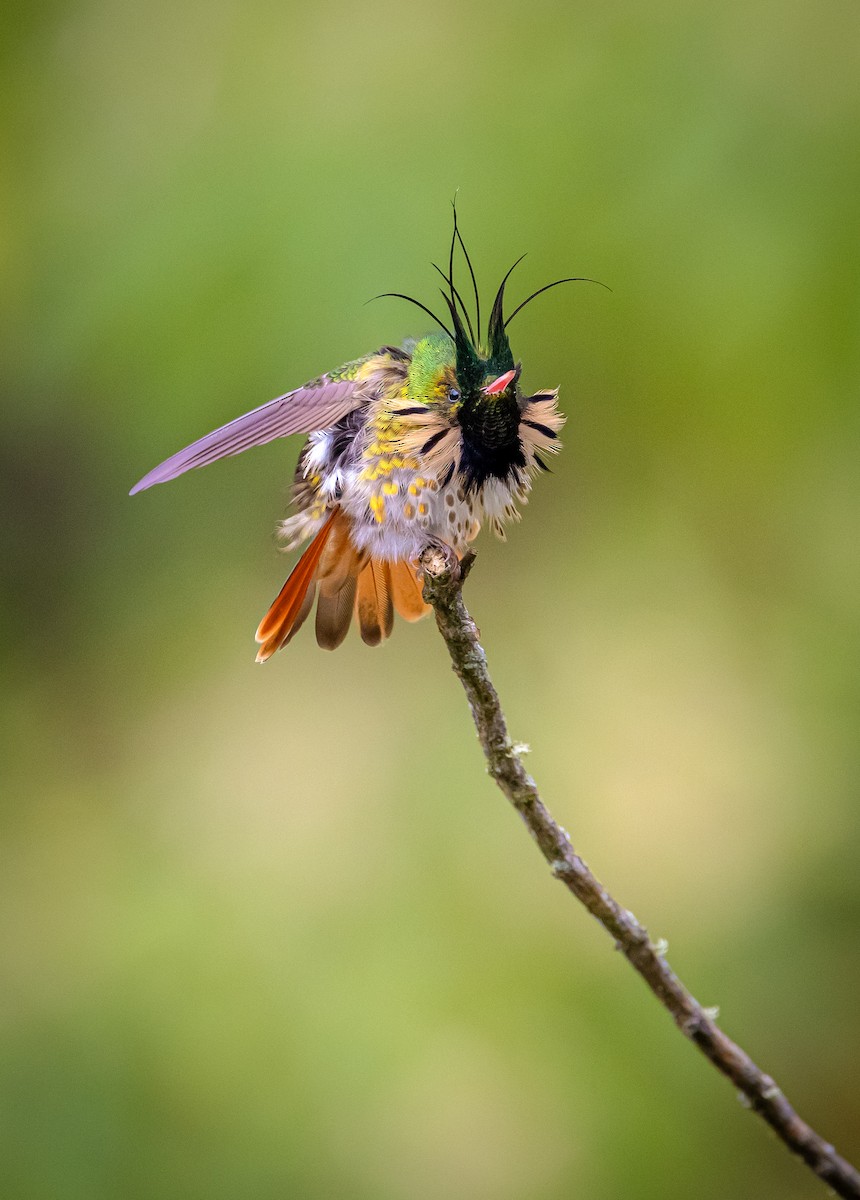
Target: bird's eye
{"x": 453, "y": 395}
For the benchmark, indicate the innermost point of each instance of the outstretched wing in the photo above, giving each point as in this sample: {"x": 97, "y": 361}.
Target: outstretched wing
{"x": 305, "y": 409}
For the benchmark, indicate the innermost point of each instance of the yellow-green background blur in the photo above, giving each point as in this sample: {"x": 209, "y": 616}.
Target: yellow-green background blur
{"x": 271, "y": 932}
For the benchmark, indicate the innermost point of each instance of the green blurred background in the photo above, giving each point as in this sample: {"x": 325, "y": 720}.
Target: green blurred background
{"x": 272, "y": 932}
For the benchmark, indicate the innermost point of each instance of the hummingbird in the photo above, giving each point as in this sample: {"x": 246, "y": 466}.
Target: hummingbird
{"x": 428, "y": 440}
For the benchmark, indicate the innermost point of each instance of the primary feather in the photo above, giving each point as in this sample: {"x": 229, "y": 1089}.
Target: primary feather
{"x": 299, "y": 411}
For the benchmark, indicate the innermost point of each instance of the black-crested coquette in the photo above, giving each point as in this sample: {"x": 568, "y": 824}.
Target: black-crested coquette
{"x": 429, "y": 440}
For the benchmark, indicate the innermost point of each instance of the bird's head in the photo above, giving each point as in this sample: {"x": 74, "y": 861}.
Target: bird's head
{"x": 476, "y": 387}
{"x": 476, "y": 382}
{"x": 490, "y": 399}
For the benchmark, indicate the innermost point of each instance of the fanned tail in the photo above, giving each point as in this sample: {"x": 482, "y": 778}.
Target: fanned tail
{"x": 348, "y": 583}
{"x": 294, "y": 600}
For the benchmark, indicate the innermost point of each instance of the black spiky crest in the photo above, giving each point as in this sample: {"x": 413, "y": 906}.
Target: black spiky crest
{"x": 470, "y": 367}
{"x": 474, "y": 363}
{"x": 501, "y": 359}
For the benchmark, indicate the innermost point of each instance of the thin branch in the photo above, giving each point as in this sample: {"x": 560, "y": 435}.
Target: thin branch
{"x": 443, "y": 579}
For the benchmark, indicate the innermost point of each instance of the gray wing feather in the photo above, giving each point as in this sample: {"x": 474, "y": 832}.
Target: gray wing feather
{"x": 300, "y": 411}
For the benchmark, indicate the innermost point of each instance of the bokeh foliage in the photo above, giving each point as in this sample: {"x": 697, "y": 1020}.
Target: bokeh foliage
{"x": 270, "y": 932}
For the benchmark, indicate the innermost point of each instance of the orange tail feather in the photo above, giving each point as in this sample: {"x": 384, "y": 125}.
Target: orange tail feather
{"x": 277, "y": 625}
{"x": 337, "y": 577}
{"x": 406, "y": 592}
{"x": 373, "y": 606}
